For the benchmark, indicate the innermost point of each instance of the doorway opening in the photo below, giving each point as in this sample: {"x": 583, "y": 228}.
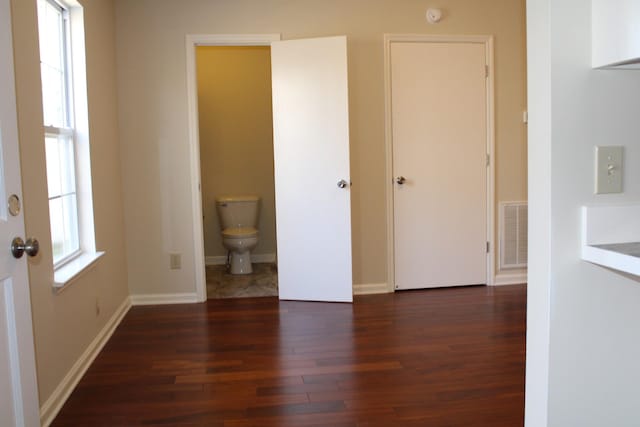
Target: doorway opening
{"x": 311, "y": 163}
{"x": 231, "y": 155}
{"x": 236, "y": 163}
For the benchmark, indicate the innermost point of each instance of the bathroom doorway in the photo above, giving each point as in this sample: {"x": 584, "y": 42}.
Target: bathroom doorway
{"x": 236, "y": 159}
{"x": 311, "y": 163}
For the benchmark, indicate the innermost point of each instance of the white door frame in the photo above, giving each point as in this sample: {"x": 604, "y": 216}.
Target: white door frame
{"x": 192, "y": 41}
{"x": 487, "y": 41}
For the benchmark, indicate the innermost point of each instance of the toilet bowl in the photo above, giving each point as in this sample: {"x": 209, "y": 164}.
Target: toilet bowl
{"x": 240, "y": 241}
{"x": 238, "y": 222}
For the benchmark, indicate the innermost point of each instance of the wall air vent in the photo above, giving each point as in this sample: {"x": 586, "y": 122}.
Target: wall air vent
{"x": 513, "y": 235}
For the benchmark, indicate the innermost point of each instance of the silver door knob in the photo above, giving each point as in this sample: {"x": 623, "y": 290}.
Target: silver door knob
{"x": 343, "y": 184}
{"x": 19, "y": 247}
{"x": 401, "y": 180}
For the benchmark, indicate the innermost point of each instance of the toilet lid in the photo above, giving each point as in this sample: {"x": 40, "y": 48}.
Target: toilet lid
{"x": 239, "y": 232}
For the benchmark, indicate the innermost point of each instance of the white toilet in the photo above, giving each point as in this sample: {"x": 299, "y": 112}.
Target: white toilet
{"x": 238, "y": 220}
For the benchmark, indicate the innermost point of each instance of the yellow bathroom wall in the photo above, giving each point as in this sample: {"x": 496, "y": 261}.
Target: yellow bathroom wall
{"x": 236, "y": 136}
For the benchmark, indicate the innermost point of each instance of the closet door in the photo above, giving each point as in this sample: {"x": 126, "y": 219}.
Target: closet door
{"x": 439, "y": 129}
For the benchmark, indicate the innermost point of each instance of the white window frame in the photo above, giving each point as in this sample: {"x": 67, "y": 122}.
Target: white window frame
{"x": 69, "y": 268}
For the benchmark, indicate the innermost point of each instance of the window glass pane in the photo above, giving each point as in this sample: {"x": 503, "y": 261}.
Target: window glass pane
{"x": 62, "y": 195}
{"x": 57, "y": 232}
{"x": 67, "y": 164}
{"x": 60, "y": 165}
{"x": 53, "y": 63}
{"x": 63, "y": 212}
{"x": 70, "y": 215}
{"x": 52, "y": 96}
{"x": 50, "y": 21}
{"x": 53, "y": 166}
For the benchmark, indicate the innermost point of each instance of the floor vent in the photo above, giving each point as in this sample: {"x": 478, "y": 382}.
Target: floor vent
{"x": 513, "y": 235}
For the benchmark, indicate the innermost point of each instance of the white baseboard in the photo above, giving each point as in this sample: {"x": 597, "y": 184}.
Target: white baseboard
{"x": 54, "y": 403}
{"x": 502, "y": 278}
{"x": 370, "y": 288}
{"x": 222, "y": 260}
{"x": 162, "y": 299}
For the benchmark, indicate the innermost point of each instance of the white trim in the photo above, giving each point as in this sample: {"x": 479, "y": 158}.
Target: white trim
{"x": 388, "y": 144}
{"x": 164, "y": 299}
{"x": 74, "y": 269}
{"x": 421, "y": 38}
{"x": 491, "y": 142}
{"x": 54, "y": 403}
{"x": 191, "y": 41}
{"x": 56, "y": 131}
{"x": 371, "y": 288}
{"x": 441, "y": 38}
{"x": 256, "y": 258}
{"x": 503, "y": 279}
{"x": 231, "y": 40}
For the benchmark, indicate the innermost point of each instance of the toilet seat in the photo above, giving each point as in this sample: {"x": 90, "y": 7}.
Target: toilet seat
{"x": 239, "y": 232}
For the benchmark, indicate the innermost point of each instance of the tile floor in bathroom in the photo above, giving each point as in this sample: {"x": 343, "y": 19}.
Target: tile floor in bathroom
{"x": 263, "y": 282}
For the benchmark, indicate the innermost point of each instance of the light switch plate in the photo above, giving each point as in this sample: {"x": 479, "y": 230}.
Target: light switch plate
{"x": 609, "y": 169}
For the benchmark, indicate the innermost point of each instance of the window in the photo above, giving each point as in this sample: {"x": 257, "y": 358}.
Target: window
{"x": 53, "y": 21}
{"x": 66, "y": 140}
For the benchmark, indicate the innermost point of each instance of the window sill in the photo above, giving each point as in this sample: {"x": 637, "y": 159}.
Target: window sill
{"x": 73, "y": 270}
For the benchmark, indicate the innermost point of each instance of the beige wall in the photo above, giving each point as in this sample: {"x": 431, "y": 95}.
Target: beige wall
{"x": 153, "y": 110}
{"x": 66, "y": 323}
{"x": 236, "y": 136}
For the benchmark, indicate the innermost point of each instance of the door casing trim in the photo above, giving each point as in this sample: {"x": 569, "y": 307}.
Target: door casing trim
{"x": 192, "y": 41}
{"x": 487, "y": 41}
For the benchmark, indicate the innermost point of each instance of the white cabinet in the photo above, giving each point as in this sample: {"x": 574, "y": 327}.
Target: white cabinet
{"x": 615, "y": 33}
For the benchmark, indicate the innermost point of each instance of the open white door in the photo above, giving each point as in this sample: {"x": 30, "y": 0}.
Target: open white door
{"x": 311, "y": 156}
{"x": 18, "y": 391}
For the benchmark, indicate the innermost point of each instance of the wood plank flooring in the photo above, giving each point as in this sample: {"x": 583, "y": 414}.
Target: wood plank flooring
{"x": 440, "y": 357}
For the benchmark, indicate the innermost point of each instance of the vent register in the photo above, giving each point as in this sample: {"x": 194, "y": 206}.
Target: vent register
{"x": 513, "y": 235}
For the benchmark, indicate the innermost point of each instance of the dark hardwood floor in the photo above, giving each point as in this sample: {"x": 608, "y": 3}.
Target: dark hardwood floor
{"x": 441, "y": 357}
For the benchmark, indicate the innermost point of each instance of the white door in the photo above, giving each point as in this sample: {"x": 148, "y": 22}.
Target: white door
{"x": 18, "y": 391}
{"x": 439, "y": 130}
{"x": 311, "y": 159}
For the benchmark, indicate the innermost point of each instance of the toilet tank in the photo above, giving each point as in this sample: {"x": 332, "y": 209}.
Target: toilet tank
{"x": 238, "y": 211}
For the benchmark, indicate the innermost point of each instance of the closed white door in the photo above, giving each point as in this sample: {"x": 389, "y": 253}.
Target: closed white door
{"x": 311, "y": 160}
{"x": 439, "y": 130}
{"x": 18, "y": 390}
